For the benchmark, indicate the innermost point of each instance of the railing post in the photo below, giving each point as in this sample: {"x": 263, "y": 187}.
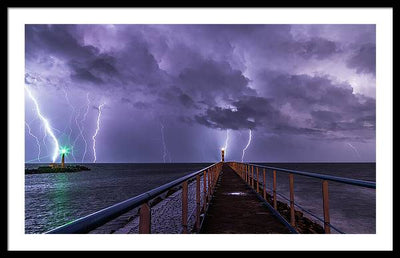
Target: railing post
{"x": 197, "y": 202}
{"x": 264, "y": 185}
{"x": 292, "y": 214}
{"x": 274, "y": 190}
{"x": 215, "y": 176}
{"x": 247, "y": 174}
{"x": 204, "y": 189}
{"x": 325, "y": 198}
{"x": 257, "y": 181}
{"x": 185, "y": 207}
{"x": 209, "y": 183}
{"x": 252, "y": 177}
{"x": 210, "y": 180}
{"x": 145, "y": 219}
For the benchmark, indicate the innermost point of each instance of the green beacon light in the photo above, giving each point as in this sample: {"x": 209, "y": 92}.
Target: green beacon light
{"x": 64, "y": 150}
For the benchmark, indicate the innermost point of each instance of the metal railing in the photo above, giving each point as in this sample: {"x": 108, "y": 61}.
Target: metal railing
{"x": 247, "y": 173}
{"x": 92, "y": 221}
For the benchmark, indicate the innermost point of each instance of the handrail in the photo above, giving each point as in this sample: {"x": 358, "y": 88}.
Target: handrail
{"x": 309, "y": 213}
{"x": 350, "y": 181}
{"x": 251, "y": 176}
{"x": 91, "y": 221}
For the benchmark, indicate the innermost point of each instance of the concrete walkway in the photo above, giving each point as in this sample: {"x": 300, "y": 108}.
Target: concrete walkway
{"x": 235, "y": 209}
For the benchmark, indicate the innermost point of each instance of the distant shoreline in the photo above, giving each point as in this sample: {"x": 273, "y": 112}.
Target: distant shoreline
{"x": 48, "y": 169}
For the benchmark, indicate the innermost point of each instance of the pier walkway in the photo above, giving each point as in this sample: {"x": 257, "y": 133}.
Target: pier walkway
{"x": 223, "y": 198}
{"x": 235, "y": 209}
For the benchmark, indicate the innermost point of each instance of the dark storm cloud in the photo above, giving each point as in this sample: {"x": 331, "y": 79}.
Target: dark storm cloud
{"x": 137, "y": 104}
{"x": 141, "y": 105}
{"x": 130, "y": 66}
{"x": 318, "y": 48}
{"x": 247, "y": 113}
{"x": 104, "y": 64}
{"x": 175, "y": 97}
{"x": 327, "y": 116}
{"x": 97, "y": 69}
{"x": 294, "y": 130}
{"x": 29, "y": 79}
{"x": 332, "y": 121}
{"x": 332, "y": 106}
{"x": 186, "y": 100}
{"x": 137, "y": 63}
{"x": 364, "y": 59}
{"x": 82, "y": 73}
{"x": 57, "y": 40}
{"x": 126, "y": 100}
{"x": 274, "y": 42}
{"x": 211, "y": 79}
{"x": 303, "y": 91}
{"x": 86, "y": 63}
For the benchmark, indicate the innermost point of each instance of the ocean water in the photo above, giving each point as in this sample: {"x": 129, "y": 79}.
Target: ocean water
{"x": 52, "y": 200}
{"x": 352, "y": 209}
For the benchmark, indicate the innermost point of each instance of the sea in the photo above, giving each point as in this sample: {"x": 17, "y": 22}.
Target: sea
{"x": 54, "y": 199}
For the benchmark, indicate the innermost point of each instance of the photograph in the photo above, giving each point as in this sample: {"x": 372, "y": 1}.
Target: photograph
{"x": 209, "y": 129}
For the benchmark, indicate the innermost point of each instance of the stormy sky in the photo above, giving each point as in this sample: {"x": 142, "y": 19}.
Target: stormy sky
{"x": 173, "y": 93}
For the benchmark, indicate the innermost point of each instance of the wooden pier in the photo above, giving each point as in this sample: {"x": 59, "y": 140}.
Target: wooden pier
{"x": 236, "y": 209}
{"x": 223, "y": 198}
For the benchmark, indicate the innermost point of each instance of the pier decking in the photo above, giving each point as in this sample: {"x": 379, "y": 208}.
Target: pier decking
{"x": 235, "y": 209}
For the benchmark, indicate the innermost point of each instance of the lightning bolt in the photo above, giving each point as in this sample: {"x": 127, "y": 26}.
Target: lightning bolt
{"x": 37, "y": 140}
{"x": 28, "y": 161}
{"x": 248, "y": 144}
{"x": 70, "y": 122}
{"x": 96, "y": 132}
{"x": 354, "y": 148}
{"x": 44, "y": 137}
{"x": 46, "y": 125}
{"x": 80, "y": 132}
{"x": 226, "y": 142}
{"x": 83, "y": 120}
{"x": 72, "y": 114}
{"x": 163, "y": 141}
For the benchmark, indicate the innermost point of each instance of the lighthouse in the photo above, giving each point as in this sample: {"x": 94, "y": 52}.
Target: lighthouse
{"x": 222, "y": 154}
{"x": 63, "y": 152}
{"x": 62, "y": 160}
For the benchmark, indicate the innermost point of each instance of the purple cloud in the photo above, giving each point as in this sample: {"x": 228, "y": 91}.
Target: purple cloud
{"x": 364, "y": 59}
